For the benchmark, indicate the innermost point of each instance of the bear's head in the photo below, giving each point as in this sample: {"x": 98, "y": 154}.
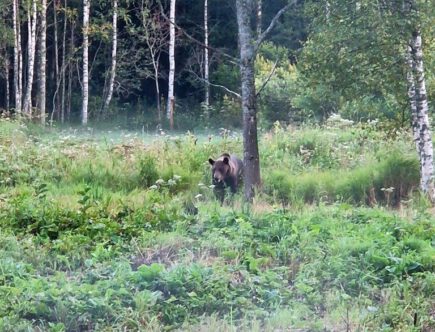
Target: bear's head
{"x": 220, "y": 170}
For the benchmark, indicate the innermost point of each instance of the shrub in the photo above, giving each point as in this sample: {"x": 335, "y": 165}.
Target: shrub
{"x": 147, "y": 171}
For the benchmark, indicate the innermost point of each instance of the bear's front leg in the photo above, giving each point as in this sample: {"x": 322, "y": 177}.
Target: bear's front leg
{"x": 220, "y": 194}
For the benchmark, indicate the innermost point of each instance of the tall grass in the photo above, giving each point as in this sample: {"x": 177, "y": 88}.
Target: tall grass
{"x": 127, "y": 235}
{"x": 387, "y": 181}
{"x": 310, "y": 165}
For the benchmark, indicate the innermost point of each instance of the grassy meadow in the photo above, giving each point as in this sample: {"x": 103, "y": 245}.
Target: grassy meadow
{"x": 120, "y": 231}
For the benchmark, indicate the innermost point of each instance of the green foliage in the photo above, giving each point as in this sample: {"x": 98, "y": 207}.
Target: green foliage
{"x": 276, "y": 97}
{"x": 148, "y": 171}
{"x": 100, "y": 235}
{"x": 226, "y": 113}
{"x": 353, "y": 62}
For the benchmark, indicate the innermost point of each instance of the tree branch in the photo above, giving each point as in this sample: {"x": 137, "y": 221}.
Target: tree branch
{"x": 225, "y": 88}
{"x": 216, "y": 85}
{"x": 199, "y": 78}
{"x": 267, "y": 79}
{"x": 233, "y": 59}
{"x": 272, "y": 24}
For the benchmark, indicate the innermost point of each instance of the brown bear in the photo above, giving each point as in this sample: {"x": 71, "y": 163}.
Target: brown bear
{"x": 227, "y": 171}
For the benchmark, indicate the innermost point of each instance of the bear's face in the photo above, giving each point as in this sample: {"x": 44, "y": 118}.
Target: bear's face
{"x": 220, "y": 170}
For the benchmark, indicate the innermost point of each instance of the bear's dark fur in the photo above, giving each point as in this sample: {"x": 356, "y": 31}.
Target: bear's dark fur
{"x": 227, "y": 171}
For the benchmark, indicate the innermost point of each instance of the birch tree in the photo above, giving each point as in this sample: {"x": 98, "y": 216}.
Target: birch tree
{"x": 108, "y": 97}
{"x": 171, "y": 99}
{"x": 418, "y": 102}
{"x": 56, "y": 107}
{"x": 6, "y": 41}
{"x": 412, "y": 97}
{"x": 85, "y": 80}
{"x": 327, "y": 10}
{"x": 155, "y": 33}
{"x": 259, "y": 16}
{"x": 206, "y": 57}
{"x": 71, "y": 53}
{"x": 420, "y": 119}
{"x": 64, "y": 65}
{"x": 32, "y": 18}
{"x": 17, "y": 56}
{"x": 249, "y": 46}
{"x": 6, "y": 76}
{"x": 20, "y": 57}
{"x": 42, "y": 58}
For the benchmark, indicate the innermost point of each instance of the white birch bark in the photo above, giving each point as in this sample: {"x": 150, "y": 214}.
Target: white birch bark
{"x": 20, "y": 59}
{"x": 8, "y": 92}
{"x": 32, "y": 18}
{"x": 17, "y": 51}
{"x": 206, "y": 58}
{"x": 62, "y": 80}
{"x": 259, "y": 16}
{"x": 85, "y": 97}
{"x": 327, "y": 10}
{"x": 425, "y": 148}
{"x": 412, "y": 97}
{"x": 42, "y": 60}
{"x": 55, "y": 109}
{"x": 171, "y": 99}
{"x": 114, "y": 52}
{"x": 70, "y": 68}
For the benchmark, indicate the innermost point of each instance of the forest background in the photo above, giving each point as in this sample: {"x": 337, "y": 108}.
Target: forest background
{"x": 108, "y": 221}
{"x": 345, "y": 57}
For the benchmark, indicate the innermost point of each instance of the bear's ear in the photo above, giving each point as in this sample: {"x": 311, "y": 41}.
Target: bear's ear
{"x": 226, "y": 160}
{"x": 211, "y": 161}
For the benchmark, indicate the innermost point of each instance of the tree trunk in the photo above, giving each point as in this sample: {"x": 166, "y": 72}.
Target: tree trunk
{"x": 42, "y": 61}
{"x": 114, "y": 51}
{"x": 8, "y": 92}
{"x": 206, "y": 59}
{"x": 156, "y": 81}
{"x": 20, "y": 59}
{"x": 32, "y": 17}
{"x": 327, "y": 10}
{"x": 62, "y": 80}
{"x": 251, "y": 158}
{"x": 85, "y": 100}
{"x": 56, "y": 106}
{"x": 70, "y": 70}
{"x": 422, "y": 124}
{"x": 249, "y": 46}
{"x": 259, "y": 16}
{"x": 156, "y": 38}
{"x": 171, "y": 99}
{"x": 412, "y": 97}
{"x": 17, "y": 55}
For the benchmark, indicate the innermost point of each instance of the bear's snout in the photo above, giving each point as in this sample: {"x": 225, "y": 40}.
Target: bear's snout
{"x": 217, "y": 179}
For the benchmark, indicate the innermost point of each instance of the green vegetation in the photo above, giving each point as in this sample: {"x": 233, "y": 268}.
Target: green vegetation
{"x": 126, "y": 234}
{"x": 338, "y": 57}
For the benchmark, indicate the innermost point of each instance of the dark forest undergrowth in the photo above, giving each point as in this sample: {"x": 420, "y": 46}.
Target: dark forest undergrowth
{"x": 112, "y": 234}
